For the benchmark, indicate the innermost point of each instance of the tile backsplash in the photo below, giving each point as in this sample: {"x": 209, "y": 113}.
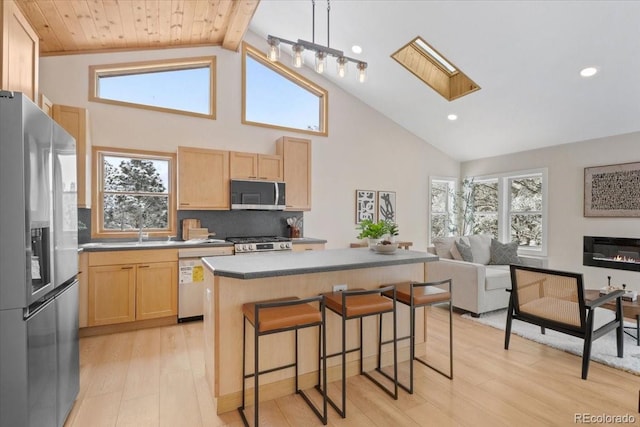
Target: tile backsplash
{"x": 223, "y": 223}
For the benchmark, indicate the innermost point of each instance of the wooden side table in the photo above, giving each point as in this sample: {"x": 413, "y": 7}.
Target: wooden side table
{"x": 630, "y": 310}
{"x": 403, "y": 245}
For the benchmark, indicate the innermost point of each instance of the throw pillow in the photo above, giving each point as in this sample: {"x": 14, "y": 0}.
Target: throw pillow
{"x": 464, "y": 250}
{"x": 443, "y": 246}
{"x": 455, "y": 253}
{"x": 504, "y": 253}
{"x": 480, "y": 248}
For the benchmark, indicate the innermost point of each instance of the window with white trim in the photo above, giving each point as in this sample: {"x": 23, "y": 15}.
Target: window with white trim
{"x": 512, "y": 207}
{"x": 442, "y": 219}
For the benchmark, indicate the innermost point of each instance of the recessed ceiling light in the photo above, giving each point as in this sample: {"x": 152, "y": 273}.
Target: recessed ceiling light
{"x": 452, "y": 117}
{"x": 588, "y": 72}
{"x": 356, "y": 49}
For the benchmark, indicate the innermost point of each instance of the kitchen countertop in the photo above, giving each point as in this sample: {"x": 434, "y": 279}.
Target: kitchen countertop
{"x": 159, "y": 244}
{"x": 174, "y": 244}
{"x": 273, "y": 264}
{"x": 296, "y": 240}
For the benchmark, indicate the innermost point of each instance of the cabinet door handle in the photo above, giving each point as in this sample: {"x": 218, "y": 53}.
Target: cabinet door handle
{"x": 143, "y": 266}
{"x": 263, "y": 177}
{"x": 184, "y": 204}
{"x": 126, "y": 268}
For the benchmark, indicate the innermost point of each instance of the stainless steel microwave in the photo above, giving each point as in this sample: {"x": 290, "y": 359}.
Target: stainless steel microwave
{"x": 257, "y": 195}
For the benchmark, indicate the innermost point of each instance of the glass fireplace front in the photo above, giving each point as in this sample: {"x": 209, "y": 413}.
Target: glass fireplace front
{"x": 621, "y": 253}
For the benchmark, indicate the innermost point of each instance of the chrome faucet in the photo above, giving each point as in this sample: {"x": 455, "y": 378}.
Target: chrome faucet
{"x": 141, "y": 222}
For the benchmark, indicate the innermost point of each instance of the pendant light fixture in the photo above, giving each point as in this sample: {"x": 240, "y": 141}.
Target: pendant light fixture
{"x": 321, "y": 52}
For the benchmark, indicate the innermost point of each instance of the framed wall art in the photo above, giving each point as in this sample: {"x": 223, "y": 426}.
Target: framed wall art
{"x": 365, "y": 205}
{"x": 387, "y": 205}
{"x": 612, "y": 190}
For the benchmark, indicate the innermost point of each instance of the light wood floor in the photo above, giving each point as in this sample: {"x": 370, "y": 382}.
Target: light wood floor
{"x": 155, "y": 377}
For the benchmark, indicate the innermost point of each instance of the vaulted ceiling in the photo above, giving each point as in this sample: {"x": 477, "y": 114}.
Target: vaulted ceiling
{"x": 525, "y": 55}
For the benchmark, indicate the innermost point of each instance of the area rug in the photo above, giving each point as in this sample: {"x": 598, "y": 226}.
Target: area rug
{"x": 603, "y": 349}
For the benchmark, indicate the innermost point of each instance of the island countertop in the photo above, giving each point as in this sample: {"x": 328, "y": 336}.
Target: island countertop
{"x": 273, "y": 264}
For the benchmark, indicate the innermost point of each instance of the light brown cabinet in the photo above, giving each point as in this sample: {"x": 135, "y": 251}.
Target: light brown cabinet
{"x": 296, "y": 157}
{"x": 46, "y": 105}
{"x": 83, "y": 289}
{"x": 156, "y": 290}
{"x": 301, "y": 247}
{"x": 203, "y": 179}
{"x": 112, "y": 297}
{"x": 20, "y": 52}
{"x": 255, "y": 166}
{"x": 75, "y": 121}
{"x": 124, "y": 286}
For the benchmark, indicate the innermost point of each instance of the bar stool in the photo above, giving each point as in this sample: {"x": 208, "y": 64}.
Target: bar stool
{"x": 357, "y": 304}
{"x": 416, "y": 295}
{"x": 280, "y": 315}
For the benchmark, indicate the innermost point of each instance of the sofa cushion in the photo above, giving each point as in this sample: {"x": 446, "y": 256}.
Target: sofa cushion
{"x": 443, "y": 246}
{"x": 504, "y": 253}
{"x": 462, "y": 250}
{"x": 497, "y": 277}
{"x": 480, "y": 248}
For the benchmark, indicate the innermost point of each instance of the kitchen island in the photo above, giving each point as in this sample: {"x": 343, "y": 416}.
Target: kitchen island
{"x": 233, "y": 281}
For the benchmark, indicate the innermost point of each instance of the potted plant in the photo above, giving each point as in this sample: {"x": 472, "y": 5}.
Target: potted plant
{"x": 392, "y": 230}
{"x": 376, "y": 231}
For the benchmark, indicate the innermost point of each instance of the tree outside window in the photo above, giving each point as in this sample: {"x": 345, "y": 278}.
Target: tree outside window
{"x": 442, "y": 205}
{"x": 485, "y": 207}
{"x": 525, "y": 210}
{"x": 135, "y": 192}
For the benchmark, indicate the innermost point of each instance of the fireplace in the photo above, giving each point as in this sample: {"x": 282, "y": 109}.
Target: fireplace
{"x": 621, "y": 253}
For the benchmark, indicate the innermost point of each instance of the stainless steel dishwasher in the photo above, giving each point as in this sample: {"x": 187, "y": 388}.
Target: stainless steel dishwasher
{"x": 191, "y": 279}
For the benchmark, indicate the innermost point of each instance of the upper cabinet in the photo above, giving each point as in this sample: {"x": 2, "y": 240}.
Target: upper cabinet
{"x": 296, "y": 157}
{"x": 75, "y": 121}
{"x": 203, "y": 179}
{"x": 255, "y": 166}
{"x": 20, "y": 50}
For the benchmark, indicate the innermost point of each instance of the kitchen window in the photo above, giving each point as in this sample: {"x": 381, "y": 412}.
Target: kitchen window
{"x": 180, "y": 86}
{"x": 136, "y": 189}
{"x": 276, "y": 97}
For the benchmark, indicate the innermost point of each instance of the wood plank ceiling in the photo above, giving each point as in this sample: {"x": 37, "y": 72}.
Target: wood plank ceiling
{"x": 82, "y": 26}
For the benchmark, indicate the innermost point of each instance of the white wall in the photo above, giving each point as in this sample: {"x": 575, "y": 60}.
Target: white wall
{"x": 364, "y": 149}
{"x": 567, "y": 224}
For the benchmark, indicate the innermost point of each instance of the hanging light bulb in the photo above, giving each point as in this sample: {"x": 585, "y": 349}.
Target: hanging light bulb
{"x": 362, "y": 72}
{"x": 297, "y": 58}
{"x": 274, "y": 49}
{"x": 342, "y": 62}
{"x": 321, "y": 61}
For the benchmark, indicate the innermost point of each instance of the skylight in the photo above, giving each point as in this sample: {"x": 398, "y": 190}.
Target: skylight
{"x": 424, "y": 62}
{"x": 435, "y": 55}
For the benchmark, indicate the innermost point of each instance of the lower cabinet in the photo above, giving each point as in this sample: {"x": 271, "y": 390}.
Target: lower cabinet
{"x": 112, "y": 294}
{"x": 156, "y": 290}
{"x": 121, "y": 293}
{"x": 299, "y": 247}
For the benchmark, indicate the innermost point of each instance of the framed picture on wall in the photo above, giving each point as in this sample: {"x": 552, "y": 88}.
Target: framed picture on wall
{"x": 612, "y": 190}
{"x": 365, "y": 205}
{"x": 387, "y": 205}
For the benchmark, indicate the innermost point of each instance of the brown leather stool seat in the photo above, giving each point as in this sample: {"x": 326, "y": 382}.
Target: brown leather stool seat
{"x": 356, "y": 304}
{"x": 416, "y": 295}
{"x": 280, "y": 315}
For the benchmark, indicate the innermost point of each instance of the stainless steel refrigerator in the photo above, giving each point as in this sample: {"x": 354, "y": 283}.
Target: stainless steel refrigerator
{"x": 39, "y": 354}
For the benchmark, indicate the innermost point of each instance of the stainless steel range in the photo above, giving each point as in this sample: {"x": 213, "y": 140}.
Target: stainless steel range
{"x": 247, "y": 245}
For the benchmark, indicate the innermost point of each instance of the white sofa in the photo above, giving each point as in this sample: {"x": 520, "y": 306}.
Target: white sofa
{"x": 478, "y": 287}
